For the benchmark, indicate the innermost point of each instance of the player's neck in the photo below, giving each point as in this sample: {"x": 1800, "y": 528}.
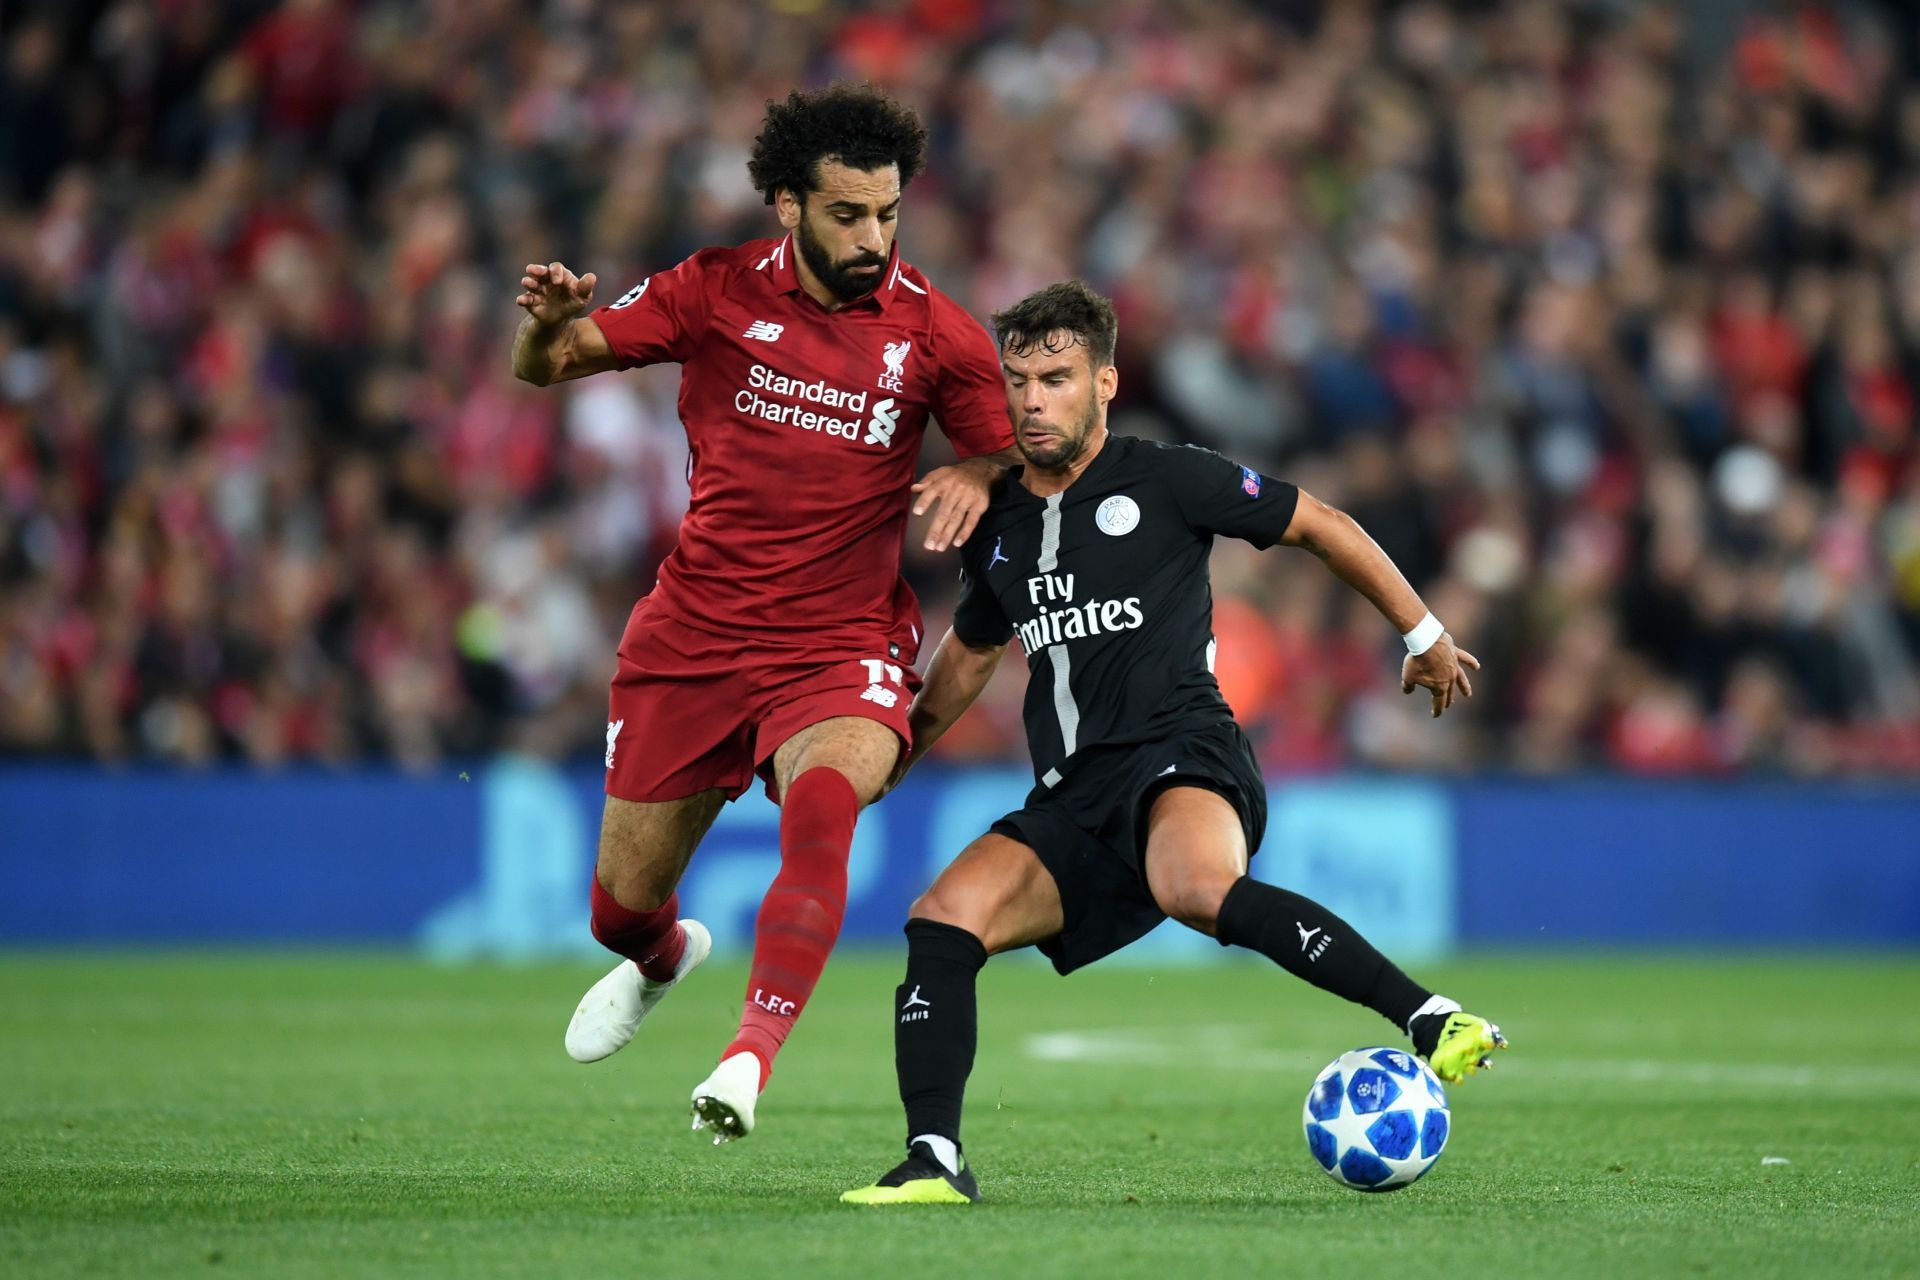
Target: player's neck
{"x": 1044, "y": 484}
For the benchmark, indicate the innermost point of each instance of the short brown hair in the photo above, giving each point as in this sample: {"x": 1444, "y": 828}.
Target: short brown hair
{"x": 1071, "y": 306}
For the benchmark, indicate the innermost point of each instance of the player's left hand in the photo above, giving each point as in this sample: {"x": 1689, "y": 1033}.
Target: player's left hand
{"x": 957, "y": 495}
{"x": 1442, "y": 670}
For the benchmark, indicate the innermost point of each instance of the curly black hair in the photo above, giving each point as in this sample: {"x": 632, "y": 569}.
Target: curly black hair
{"x": 1071, "y": 307}
{"x": 855, "y": 124}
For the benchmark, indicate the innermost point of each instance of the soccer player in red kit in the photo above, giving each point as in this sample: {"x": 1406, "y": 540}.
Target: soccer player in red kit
{"x": 779, "y": 638}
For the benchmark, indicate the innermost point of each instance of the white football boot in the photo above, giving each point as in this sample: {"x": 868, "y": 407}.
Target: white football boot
{"x": 614, "y": 1007}
{"x": 724, "y": 1101}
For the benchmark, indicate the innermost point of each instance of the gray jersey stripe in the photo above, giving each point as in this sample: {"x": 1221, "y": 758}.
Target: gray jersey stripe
{"x": 1050, "y": 535}
{"x": 1063, "y": 704}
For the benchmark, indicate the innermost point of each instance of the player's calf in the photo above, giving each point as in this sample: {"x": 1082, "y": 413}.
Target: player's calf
{"x": 1314, "y": 944}
{"x": 800, "y": 917}
{"x": 934, "y": 1037}
{"x": 936, "y": 1028}
{"x": 793, "y": 935}
{"x": 634, "y": 914}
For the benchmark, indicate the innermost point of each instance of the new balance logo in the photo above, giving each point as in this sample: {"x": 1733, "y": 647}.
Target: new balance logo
{"x": 997, "y": 557}
{"x": 764, "y": 331}
{"x": 912, "y": 1001}
{"x": 885, "y": 421}
{"x": 613, "y": 732}
{"x": 1306, "y": 936}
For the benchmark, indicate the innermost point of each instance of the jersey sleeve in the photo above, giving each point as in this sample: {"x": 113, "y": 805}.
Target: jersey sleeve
{"x": 970, "y": 400}
{"x": 659, "y": 320}
{"x": 978, "y": 619}
{"x": 1217, "y": 495}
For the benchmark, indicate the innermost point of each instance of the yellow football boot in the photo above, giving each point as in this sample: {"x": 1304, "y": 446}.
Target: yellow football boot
{"x": 919, "y": 1179}
{"x": 1465, "y": 1045}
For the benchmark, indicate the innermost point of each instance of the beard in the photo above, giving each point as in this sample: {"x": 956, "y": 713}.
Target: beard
{"x": 1071, "y": 444}
{"x": 839, "y": 277}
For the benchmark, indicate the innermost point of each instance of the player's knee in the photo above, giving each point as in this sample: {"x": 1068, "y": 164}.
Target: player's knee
{"x": 1195, "y": 899}
{"x": 933, "y": 905}
{"x": 861, "y": 752}
{"x": 1195, "y": 913}
{"x": 631, "y": 884}
{"x": 944, "y": 904}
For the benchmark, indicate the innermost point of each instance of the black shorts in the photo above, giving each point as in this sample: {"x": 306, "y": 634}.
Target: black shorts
{"x": 1090, "y": 832}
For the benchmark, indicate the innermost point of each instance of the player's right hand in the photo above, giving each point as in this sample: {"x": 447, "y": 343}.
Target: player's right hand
{"x": 1441, "y": 670}
{"x": 552, "y": 294}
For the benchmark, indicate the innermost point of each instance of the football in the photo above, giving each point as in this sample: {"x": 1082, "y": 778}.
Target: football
{"x": 1376, "y": 1119}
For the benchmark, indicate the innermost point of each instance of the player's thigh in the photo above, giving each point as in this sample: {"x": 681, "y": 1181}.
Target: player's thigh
{"x": 863, "y": 751}
{"x": 844, "y": 713}
{"x": 997, "y": 890}
{"x": 1196, "y": 850}
{"x": 644, "y": 847}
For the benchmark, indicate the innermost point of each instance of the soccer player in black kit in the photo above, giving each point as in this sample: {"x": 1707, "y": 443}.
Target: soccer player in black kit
{"x": 1148, "y": 800}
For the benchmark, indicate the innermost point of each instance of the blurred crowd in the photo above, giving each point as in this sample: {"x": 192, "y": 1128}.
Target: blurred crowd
{"x": 1604, "y": 323}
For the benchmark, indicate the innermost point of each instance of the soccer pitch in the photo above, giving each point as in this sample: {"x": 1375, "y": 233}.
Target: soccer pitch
{"x": 345, "y": 1115}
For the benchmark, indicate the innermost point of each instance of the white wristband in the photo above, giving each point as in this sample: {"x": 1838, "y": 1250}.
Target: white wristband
{"x": 1424, "y": 633}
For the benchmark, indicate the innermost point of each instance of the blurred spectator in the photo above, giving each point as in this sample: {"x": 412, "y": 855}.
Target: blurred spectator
{"x": 1605, "y": 326}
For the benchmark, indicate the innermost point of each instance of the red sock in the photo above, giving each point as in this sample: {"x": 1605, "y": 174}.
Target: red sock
{"x": 800, "y": 916}
{"x": 653, "y": 939}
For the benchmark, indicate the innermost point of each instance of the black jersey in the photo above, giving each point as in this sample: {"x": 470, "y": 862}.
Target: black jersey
{"x": 1107, "y": 586}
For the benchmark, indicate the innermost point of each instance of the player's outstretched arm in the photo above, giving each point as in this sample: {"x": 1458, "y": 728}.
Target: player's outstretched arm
{"x": 960, "y": 493}
{"x": 557, "y": 341}
{"x": 1359, "y": 562}
{"x": 956, "y": 674}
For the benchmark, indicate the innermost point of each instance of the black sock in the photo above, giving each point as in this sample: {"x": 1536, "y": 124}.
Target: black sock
{"x": 1311, "y": 942}
{"x": 935, "y": 1026}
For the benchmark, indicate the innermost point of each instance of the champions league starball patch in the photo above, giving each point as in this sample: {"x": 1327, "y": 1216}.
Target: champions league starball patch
{"x": 1250, "y": 482}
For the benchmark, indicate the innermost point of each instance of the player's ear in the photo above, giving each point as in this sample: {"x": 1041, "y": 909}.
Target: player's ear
{"x": 788, "y": 206}
{"x": 1107, "y": 383}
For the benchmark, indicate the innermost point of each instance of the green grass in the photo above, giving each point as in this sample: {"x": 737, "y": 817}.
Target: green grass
{"x": 350, "y": 1116}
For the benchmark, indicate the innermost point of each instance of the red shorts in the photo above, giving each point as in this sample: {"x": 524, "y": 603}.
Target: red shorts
{"x": 692, "y": 710}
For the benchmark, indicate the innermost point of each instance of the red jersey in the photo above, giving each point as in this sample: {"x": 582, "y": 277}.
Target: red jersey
{"x": 803, "y": 431}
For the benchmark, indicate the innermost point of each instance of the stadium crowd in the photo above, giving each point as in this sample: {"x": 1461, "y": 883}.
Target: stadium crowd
{"x": 1608, "y": 334}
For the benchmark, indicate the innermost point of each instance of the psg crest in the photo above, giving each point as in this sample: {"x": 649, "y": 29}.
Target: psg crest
{"x": 1117, "y": 515}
